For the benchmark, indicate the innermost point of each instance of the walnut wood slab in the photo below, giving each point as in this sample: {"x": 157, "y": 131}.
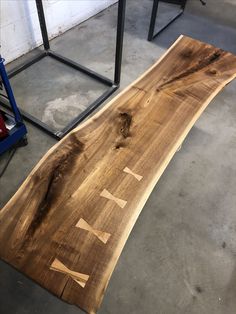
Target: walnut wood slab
{"x": 66, "y": 226}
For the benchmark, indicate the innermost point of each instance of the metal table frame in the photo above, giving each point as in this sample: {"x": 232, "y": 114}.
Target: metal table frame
{"x": 113, "y": 85}
{"x": 151, "y": 34}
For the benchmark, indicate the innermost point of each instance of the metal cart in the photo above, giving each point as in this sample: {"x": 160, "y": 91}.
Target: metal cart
{"x": 16, "y": 128}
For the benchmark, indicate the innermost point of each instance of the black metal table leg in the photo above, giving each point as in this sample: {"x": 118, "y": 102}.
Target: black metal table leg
{"x": 153, "y": 19}
{"x": 151, "y": 34}
{"x": 42, "y": 22}
{"x": 112, "y": 85}
{"x": 119, "y": 40}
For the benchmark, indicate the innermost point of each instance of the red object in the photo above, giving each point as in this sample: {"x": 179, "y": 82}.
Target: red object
{"x": 3, "y": 129}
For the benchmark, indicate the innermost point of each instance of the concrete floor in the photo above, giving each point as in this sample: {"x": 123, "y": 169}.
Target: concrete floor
{"x": 181, "y": 255}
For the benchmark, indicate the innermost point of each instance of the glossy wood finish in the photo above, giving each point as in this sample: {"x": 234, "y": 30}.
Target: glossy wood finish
{"x": 66, "y": 226}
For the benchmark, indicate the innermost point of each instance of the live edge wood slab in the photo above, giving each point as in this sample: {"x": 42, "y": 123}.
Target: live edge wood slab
{"x": 66, "y": 226}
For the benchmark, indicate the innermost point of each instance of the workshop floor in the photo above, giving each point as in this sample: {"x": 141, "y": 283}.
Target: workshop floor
{"x": 181, "y": 255}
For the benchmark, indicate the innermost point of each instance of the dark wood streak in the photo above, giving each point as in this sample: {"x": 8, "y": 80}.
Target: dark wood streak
{"x": 54, "y": 183}
{"x": 201, "y": 64}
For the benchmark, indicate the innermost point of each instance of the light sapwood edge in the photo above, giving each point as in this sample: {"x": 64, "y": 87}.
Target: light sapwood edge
{"x": 89, "y": 120}
{"x": 150, "y": 187}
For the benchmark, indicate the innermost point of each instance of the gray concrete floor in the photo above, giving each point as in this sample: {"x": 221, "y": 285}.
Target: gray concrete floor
{"x": 181, "y": 255}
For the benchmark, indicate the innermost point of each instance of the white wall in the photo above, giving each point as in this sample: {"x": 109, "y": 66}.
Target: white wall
{"x": 19, "y": 26}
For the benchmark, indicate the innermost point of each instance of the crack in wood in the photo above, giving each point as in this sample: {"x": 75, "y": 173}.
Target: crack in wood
{"x": 64, "y": 288}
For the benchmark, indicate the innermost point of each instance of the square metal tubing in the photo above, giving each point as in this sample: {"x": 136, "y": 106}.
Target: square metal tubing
{"x": 151, "y": 34}
{"x": 112, "y": 85}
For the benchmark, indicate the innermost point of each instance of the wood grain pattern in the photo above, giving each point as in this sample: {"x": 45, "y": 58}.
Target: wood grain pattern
{"x": 140, "y": 129}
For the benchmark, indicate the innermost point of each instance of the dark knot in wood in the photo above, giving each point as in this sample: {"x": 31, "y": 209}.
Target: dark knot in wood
{"x": 126, "y": 120}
